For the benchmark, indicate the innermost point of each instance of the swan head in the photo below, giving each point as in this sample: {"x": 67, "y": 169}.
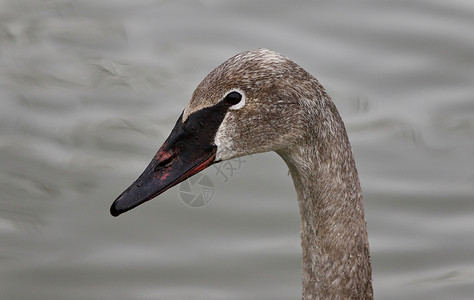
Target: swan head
{"x": 256, "y": 101}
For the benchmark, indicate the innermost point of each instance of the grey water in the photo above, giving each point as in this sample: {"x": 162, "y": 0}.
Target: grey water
{"x": 90, "y": 89}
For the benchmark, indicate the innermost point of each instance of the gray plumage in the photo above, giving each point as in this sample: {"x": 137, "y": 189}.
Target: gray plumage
{"x": 286, "y": 110}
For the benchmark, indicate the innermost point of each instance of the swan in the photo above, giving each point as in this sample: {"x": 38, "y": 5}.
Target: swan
{"x": 259, "y": 101}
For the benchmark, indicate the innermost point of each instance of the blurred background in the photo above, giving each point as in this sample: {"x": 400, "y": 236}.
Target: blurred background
{"x": 90, "y": 89}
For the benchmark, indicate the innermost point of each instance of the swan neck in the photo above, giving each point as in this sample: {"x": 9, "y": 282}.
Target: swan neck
{"x": 336, "y": 259}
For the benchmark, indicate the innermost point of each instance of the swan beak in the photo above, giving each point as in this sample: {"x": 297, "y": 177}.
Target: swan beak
{"x": 185, "y": 153}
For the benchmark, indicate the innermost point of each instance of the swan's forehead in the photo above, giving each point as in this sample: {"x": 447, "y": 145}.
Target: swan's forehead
{"x": 247, "y": 72}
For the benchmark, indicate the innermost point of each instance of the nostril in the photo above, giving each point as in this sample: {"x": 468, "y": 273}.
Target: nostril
{"x": 165, "y": 161}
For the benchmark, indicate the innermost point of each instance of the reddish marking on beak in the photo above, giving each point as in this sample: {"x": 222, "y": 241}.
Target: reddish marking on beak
{"x": 162, "y": 154}
{"x": 162, "y": 176}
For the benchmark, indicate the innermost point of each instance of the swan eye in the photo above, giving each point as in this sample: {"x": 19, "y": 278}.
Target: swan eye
{"x": 233, "y": 98}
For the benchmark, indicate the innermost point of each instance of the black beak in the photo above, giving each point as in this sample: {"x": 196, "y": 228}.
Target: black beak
{"x": 188, "y": 150}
